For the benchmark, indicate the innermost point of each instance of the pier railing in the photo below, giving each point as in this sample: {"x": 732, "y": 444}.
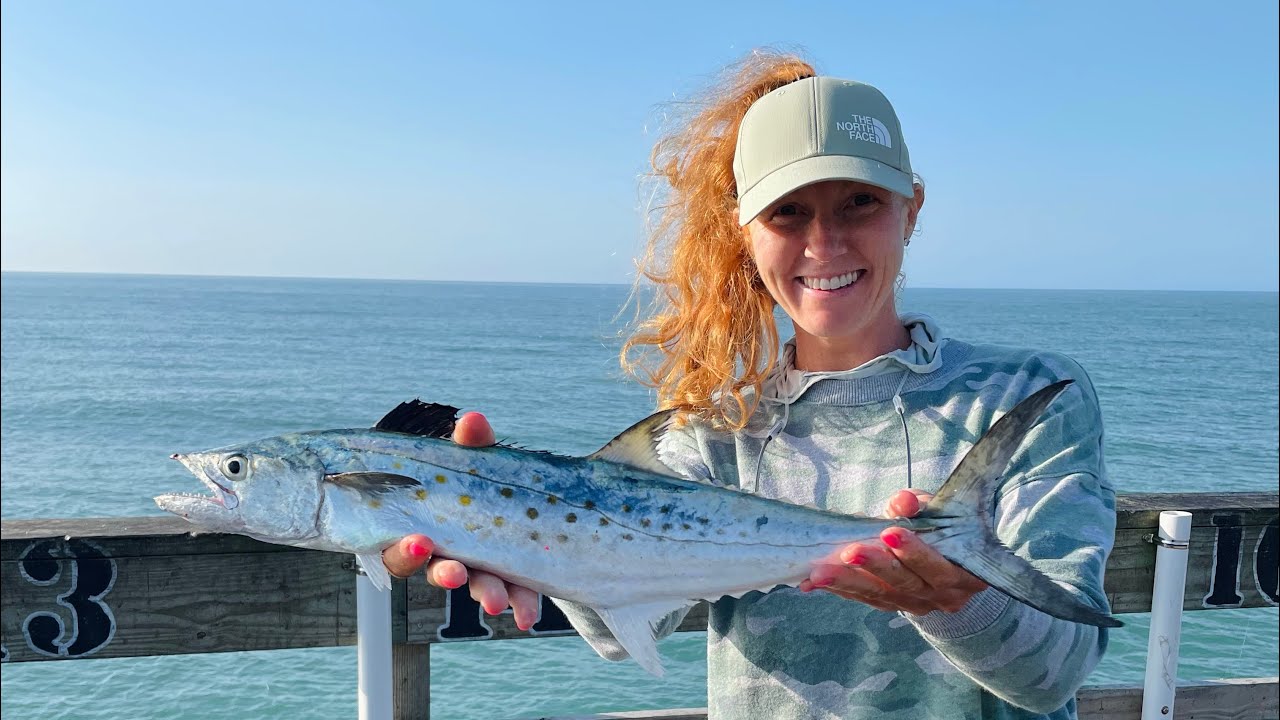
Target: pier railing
{"x": 127, "y": 587}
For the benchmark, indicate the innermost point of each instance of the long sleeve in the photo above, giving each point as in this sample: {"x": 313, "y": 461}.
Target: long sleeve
{"x": 1056, "y": 510}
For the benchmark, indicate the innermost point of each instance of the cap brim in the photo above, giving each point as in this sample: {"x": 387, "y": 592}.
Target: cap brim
{"x": 816, "y": 169}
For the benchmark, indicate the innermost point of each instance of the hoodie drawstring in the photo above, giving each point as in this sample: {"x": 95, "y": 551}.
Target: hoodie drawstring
{"x": 781, "y": 424}
{"x": 902, "y": 415}
{"x": 773, "y": 432}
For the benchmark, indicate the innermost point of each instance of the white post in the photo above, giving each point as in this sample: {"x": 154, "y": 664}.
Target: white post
{"x": 373, "y": 649}
{"x": 1166, "y": 615}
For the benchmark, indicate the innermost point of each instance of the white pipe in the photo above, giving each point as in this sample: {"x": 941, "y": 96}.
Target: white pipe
{"x": 373, "y": 649}
{"x": 1166, "y": 615}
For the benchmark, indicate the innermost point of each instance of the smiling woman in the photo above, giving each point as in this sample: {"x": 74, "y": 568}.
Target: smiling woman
{"x": 786, "y": 189}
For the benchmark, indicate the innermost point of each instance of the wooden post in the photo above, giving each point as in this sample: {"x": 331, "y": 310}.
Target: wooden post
{"x": 411, "y": 681}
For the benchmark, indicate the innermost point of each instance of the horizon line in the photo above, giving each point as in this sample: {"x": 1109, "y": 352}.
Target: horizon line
{"x": 575, "y": 283}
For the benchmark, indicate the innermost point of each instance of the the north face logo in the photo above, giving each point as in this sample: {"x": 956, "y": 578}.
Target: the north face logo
{"x": 866, "y": 128}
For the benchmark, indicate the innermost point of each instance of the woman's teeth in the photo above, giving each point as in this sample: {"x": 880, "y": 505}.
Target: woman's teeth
{"x": 834, "y": 283}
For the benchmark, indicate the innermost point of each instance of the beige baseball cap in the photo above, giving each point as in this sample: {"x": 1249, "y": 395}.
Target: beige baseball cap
{"x": 816, "y": 129}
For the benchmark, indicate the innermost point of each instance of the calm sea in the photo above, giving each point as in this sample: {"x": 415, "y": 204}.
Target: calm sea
{"x": 105, "y": 376}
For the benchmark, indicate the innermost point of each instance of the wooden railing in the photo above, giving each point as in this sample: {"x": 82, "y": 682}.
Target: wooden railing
{"x": 126, "y": 587}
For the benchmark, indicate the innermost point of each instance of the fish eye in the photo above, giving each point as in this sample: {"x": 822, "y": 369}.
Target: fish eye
{"x": 235, "y": 467}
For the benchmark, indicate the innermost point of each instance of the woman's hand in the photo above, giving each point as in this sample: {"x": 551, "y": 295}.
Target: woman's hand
{"x": 900, "y": 572}
{"x": 413, "y": 551}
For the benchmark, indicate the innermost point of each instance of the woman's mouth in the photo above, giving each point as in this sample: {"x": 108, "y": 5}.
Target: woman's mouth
{"x": 831, "y": 283}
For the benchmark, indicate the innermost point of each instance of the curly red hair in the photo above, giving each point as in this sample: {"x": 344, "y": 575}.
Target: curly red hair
{"x": 710, "y": 336}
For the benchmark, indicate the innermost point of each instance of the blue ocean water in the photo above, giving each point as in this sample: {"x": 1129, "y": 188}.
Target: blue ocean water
{"x": 105, "y": 376}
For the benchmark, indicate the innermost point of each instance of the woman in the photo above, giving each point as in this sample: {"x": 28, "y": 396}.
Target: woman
{"x": 795, "y": 190}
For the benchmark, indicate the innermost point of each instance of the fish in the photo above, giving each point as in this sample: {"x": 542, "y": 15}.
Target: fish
{"x": 616, "y": 531}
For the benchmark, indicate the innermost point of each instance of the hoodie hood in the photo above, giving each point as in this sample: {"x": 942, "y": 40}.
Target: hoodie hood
{"x": 786, "y": 384}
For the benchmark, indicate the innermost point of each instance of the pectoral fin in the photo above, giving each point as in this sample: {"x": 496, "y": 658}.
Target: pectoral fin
{"x": 369, "y": 483}
{"x": 375, "y": 570}
{"x": 635, "y": 628}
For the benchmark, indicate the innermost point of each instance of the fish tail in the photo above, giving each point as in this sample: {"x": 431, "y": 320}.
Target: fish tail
{"x": 962, "y": 526}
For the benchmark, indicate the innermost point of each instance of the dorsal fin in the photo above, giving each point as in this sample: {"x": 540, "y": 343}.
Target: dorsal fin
{"x": 637, "y": 446}
{"x": 419, "y": 418}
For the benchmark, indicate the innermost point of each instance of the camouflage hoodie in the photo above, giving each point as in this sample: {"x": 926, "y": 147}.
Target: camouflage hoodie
{"x": 841, "y": 441}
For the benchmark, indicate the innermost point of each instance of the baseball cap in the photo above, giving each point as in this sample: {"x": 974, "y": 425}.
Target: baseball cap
{"x": 815, "y": 129}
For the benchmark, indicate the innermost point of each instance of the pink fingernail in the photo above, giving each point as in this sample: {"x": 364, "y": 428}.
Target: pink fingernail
{"x": 417, "y": 549}
{"x": 893, "y": 540}
{"x": 855, "y": 559}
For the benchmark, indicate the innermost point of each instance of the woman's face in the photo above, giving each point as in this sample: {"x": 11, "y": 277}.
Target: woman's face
{"x": 830, "y": 254}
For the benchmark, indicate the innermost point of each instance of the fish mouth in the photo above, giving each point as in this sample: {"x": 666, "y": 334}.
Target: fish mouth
{"x": 222, "y": 496}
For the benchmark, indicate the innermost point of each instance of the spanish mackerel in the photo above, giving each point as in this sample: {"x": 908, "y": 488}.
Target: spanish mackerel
{"x": 616, "y": 530}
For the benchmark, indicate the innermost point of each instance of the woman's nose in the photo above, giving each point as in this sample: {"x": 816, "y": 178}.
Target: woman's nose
{"x": 824, "y": 242}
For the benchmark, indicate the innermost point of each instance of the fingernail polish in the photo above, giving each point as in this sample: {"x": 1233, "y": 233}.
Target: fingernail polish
{"x": 417, "y": 549}
{"x": 855, "y": 559}
{"x": 893, "y": 540}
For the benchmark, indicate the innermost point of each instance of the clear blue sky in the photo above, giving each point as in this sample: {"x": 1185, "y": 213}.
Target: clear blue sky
{"x": 1064, "y": 145}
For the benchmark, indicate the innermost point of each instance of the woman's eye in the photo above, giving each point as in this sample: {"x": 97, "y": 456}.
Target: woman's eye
{"x": 787, "y": 210}
{"x": 863, "y": 199}
{"x": 235, "y": 467}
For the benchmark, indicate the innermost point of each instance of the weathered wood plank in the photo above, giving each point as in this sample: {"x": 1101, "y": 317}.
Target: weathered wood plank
{"x": 675, "y": 714}
{"x": 1233, "y": 699}
{"x": 1142, "y": 510}
{"x": 1227, "y": 567}
{"x": 1229, "y": 699}
{"x": 128, "y": 537}
{"x": 159, "y": 590}
{"x": 161, "y": 605}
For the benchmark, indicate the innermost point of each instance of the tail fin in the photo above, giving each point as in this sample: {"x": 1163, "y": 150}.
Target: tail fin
{"x": 964, "y": 533}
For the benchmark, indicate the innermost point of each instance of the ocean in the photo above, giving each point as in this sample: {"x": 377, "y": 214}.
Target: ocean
{"x": 105, "y": 376}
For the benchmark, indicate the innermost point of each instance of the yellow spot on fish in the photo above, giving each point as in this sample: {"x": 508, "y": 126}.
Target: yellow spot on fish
{"x": 533, "y": 536}
{"x": 604, "y": 521}
{"x": 537, "y": 478}
{"x": 588, "y": 505}
{"x": 645, "y": 522}
{"x": 498, "y": 521}
{"x": 397, "y": 465}
{"x": 533, "y": 514}
{"x": 375, "y": 504}
{"x": 420, "y": 494}
{"x": 626, "y": 508}
{"x": 571, "y": 518}
{"x": 562, "y": 538}
{"x": 464, "y": 499}
{"x": 440, "y": 479}
{"x": 506, "y": 492}
{"x": 471, "y": 527}
{"x": 472, "y": 471}
{"x": 552, "y": 499}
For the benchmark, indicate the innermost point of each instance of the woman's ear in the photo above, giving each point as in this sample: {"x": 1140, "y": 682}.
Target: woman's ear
{"x": 913, "y": 210}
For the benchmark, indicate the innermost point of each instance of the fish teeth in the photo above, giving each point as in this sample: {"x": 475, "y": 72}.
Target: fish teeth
{"x": 834, "y": 283}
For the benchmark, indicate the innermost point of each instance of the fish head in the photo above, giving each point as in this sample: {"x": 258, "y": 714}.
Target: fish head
{"x": 270, "y": 489}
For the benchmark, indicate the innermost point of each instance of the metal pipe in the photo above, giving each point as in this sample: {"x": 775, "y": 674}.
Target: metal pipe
{"x": 373, "y": 650}
{"x": 1166, "y": 615}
